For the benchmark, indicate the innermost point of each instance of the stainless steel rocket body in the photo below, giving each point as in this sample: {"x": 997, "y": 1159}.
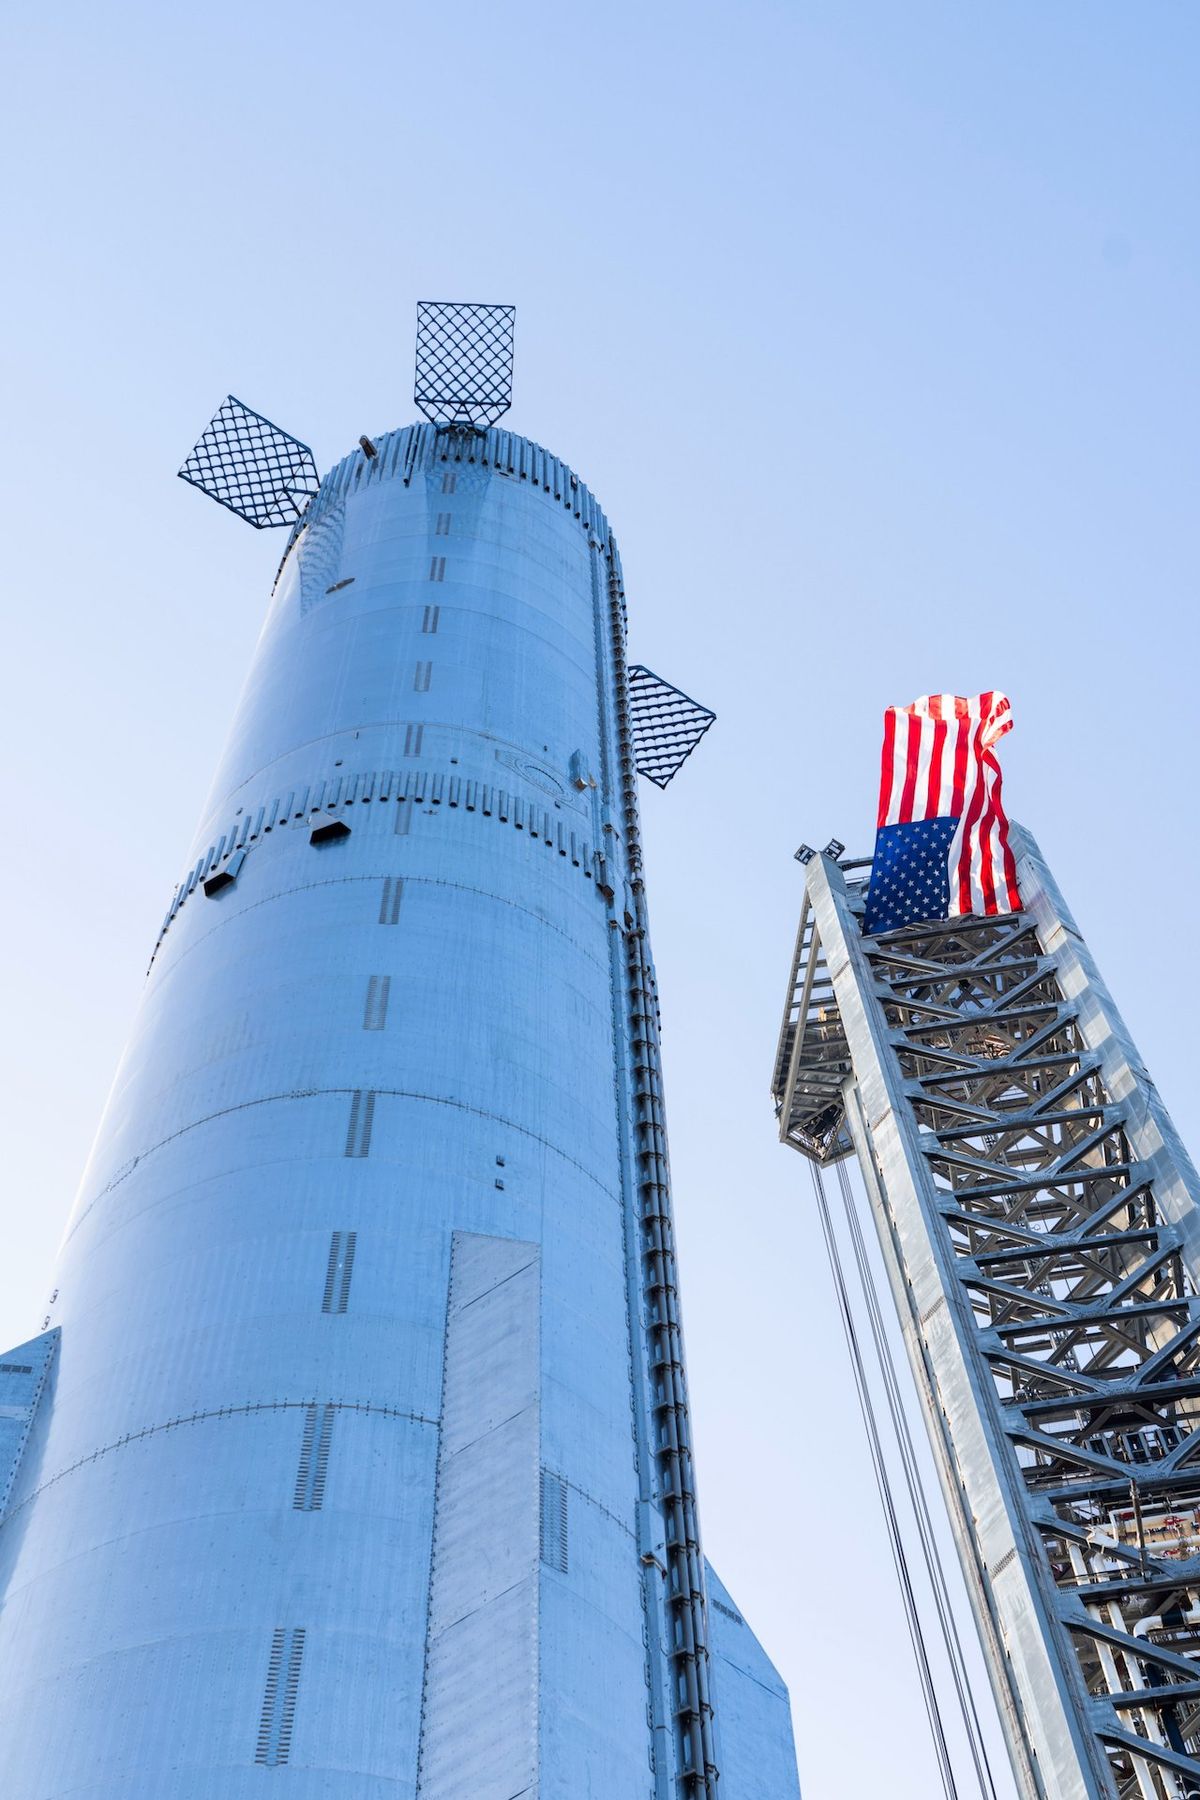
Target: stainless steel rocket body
{"x": 354, "y": 1459}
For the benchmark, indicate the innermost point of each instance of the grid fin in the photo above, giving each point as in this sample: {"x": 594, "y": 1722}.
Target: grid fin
{"x": 246, "y": 463}
{"x": 464, "y": 361}
{"x": 667, "y": 724}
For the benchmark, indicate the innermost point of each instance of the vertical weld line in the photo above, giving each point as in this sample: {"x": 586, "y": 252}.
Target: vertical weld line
{"x": 542, "y": 1517}
{"x": 347, "y": 1271}
{"x": 352, "y": 1131}
{"x": 433, "y": 1542}
{"x": 300, "y": 1497}
{"x": 335, "y": 1247}
{"x": 270, "y": 1696}
{"x": 546, "y": 1519}
{"x": 291, "y": 1687}
{"x": 321, "y": 1461}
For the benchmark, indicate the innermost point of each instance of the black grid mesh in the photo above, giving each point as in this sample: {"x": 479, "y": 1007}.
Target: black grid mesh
{"x": 667, "y": 724}
{"x": 249, "y": 465}
{"x": 464, "y": 361}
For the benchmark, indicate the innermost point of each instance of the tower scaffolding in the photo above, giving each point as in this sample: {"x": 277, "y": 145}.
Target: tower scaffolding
{"x": 1037, "y": 1216}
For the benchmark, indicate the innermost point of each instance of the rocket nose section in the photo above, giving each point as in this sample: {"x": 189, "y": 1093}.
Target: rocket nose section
{"x": 755, "y": 1747}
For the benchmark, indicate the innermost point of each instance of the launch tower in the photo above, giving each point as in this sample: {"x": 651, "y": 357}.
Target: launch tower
{"x": 1037, "y": 1214}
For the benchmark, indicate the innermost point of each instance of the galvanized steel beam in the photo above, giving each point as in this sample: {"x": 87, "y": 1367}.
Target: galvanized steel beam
{"x": 1038, "y": 1218}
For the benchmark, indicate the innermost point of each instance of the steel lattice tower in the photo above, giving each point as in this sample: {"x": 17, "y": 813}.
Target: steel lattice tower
{"x": 1037, "y": 1214}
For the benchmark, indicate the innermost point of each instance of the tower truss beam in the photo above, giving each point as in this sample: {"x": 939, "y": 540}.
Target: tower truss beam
{"x": 1038, "y": 1217}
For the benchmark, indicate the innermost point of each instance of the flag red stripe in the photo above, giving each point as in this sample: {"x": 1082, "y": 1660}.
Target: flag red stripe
{"x": 940, "y": 733}
{"x": 911, "y": 755}
{"x": 1008, "y": 861}
{"x": 885, "y": 772}
{"x": 962, "y": 875}
{"x": 962, "y": 745}
{"x": 939, "y": 761}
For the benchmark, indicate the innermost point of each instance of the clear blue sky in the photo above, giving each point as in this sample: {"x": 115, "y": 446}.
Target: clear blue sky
{"x": 874, "y": 328}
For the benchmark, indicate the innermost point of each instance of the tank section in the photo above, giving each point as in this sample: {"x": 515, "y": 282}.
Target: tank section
{"x": 356, "y": 1449}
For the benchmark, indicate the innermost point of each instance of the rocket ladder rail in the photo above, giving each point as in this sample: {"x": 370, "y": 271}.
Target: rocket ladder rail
{"x": 689, "y": 1649}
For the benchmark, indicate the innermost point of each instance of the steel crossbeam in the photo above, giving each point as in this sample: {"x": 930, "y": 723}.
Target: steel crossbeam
{"x": 1038, "y": 1217}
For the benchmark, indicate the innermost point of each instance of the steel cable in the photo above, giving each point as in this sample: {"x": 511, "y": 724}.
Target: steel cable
{"x": 917, "y": 1495}
{"x": 883, "y": 1483}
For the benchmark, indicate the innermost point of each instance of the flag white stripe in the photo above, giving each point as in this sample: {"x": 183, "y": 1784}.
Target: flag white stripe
{"x": 978, "y": 852}
{"x": 949, "y": 753}
{"x": 921, "y": 796}
{"x": 899, "y": 758}
{"x": 960, "y": 856}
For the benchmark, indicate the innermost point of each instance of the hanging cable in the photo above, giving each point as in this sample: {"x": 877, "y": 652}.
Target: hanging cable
{"x": 917, "y": 1495}
{"x": 883, "y": 1483}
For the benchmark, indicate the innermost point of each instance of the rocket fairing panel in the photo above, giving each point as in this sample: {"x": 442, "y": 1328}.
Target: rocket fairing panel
{"x": 24, "y": 1373}
{"x": 483, "y": 1596}
{"x": 753, "y": 1714}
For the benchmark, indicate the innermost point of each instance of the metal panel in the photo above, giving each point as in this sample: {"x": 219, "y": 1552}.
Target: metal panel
{"x": 483, "y": 1598}
{"x": 23, "y": 1376}
{"x": 754, "y": 1719}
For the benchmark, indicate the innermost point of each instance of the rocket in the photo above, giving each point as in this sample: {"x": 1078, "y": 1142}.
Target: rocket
{"x": 354, "y": 1458}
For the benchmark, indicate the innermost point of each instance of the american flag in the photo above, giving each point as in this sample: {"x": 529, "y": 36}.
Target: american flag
{"x": 941, "y": 845}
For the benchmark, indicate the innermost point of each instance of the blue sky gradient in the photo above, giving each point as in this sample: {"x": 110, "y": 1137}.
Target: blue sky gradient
{"x": 874, "y": 329}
